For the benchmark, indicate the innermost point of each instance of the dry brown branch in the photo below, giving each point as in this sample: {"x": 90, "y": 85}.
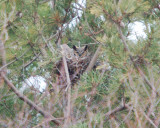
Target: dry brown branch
{"x": 157, "y": 121}
{"x": 25, "y": 116}
{"x": 124, "y": 41}
{"x": 68, "y": 114}
{"x": 148, "y": 119}
{"x": 3, "y": 55}
{"x": 109, "y": 107}
{"x": 1, "y": 68}
{"x": 95, "y": 33}
{"x": 67, "y": 72}
{"x": 120, "y": 108}
{"x": 3, "y": 39}
{"x": 40, "y": 124}
{"x": 94, "y": 59}
{"x": 30, "y": 62}
{"x": 134, "y": 63}
{"x": 153, "y": 95}
{"x": 3, "y": 58}
{"x": 135, "y": 110}
{"x": 29, "y": 102}
{"x": 127, "y": 116}
{"x": 146, "y": 80}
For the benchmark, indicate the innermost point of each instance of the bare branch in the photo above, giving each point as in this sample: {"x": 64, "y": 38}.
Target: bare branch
{"x": 134, "y": 63}
{"x": 94, "y": 59}
{"x": 124, "y": 41}
{"x": 149, "y": 120}
{"x": 67, "y": 121}
{"x": 30, "y": 62}
{"x": 29, "y": 102}
{"x": 157, "y": 121}
{"x": 4, "y": 66}
{"x": 120, "y": 108}
{"x": 3, "y": 58}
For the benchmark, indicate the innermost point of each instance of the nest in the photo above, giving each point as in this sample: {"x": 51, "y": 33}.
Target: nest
{"x": 76, "y": 68}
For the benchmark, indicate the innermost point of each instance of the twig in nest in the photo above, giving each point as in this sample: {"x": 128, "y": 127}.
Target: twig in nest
{"x": 94, "y": 59}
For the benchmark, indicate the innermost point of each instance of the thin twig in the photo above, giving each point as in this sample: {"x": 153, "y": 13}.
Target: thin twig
{"x": 131, "y": 58}
{"x": 29, "y": 102}
{"x": 149, "y": 120}
{"x": 120, "y": 108}
{"x": 14, "y": 60}
{"x": 30, "y": 62}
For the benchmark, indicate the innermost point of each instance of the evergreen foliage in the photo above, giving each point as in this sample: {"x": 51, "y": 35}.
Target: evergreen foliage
{"x": 122, "y": 91}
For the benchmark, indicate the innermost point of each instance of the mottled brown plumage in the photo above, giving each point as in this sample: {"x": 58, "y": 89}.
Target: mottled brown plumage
{"x": 77, "y": 59}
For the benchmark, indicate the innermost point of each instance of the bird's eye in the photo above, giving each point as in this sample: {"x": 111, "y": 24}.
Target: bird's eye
{"x": 76, "y": 53}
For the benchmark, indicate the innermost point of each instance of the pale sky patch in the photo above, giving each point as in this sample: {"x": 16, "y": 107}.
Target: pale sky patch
{"x": 137, "y": 31}
{"x": 78, "y": 12}
{"x": 37, "y": 82}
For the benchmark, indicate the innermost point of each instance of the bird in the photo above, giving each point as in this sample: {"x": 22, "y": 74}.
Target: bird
{"x": 77, "y": 59}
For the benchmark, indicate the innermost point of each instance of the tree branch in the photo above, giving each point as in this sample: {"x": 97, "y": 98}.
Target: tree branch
{"x": 30, "y": 62}
{"x": 3, "y": 59}
{"x": 67, "y": 121}
{"x": 126, "y": 106}
{"x": 124, "y": 41}
{"x": 17, "y": 58}
{"x": 94, "y": 59}
{"x": 29, "y": 102}
{"x": 149, "y": 119}
{"x": 134, "y": 63}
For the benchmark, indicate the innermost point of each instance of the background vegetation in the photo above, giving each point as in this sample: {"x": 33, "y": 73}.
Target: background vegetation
{"x": 122, "y": 92}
